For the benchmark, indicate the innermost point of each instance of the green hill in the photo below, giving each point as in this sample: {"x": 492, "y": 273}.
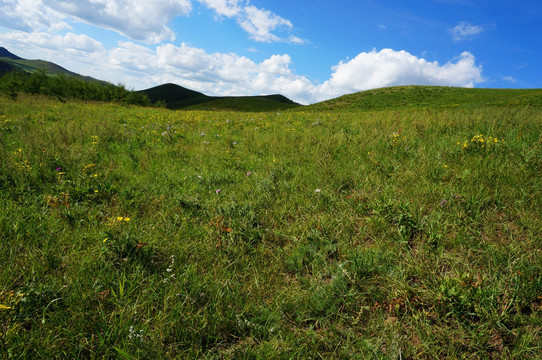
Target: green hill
{"x": 4, "y": 53}
{"x": 11, "y": 62}
{"x": 175, "y": 96}
{"x": 178, "y": 97}
{"x": 416, "y": 97}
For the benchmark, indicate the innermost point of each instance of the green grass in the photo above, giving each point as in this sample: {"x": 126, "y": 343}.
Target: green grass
{"x": 245, "y": 104}
{"x": 430, "y": 97}
{"x": 132, "y": 232}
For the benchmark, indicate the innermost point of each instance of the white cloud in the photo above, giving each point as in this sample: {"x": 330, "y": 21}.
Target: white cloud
{"x": 28, "y": 15}
{"x": 509, "y": 79}
{"x": 141, "y": 67}
{"x": 388, "y": 67}
{"x": 140, "y": 20}
{"x": 37, "y": 42}
{"x": 465, "y": 30}
{"x": 228, "y": 8}
{"x": 260, "y": 24}
{"x": 231, "y": 74}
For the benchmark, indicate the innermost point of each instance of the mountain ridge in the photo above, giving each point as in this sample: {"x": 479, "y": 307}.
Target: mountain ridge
{"x": 5, "y": 53}
{"x": 12, "y": 62}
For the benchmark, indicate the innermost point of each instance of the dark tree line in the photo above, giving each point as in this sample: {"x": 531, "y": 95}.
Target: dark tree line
{"x": 68, "y": 87}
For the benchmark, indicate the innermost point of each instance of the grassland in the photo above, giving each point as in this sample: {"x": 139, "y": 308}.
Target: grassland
{"x": 431, "y": 97}
{"x": 139, "y": 233}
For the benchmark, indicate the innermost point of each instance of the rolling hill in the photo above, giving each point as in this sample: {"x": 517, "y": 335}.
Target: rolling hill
{"x": 177, "y": 97}
{"x": 419, "y": 97}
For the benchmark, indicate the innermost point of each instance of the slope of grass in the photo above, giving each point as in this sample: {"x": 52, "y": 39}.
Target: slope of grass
{"x": 144, "y": 233}
{"x": 32, "y": 66}
{"x": 244, "y": 103}
{"x": 419, "y": 97}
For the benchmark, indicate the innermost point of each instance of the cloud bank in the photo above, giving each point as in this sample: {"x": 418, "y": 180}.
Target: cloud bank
{"x": 140, "y": 67}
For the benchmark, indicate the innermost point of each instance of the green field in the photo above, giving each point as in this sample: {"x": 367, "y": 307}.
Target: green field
{"x": 334, "y": 231}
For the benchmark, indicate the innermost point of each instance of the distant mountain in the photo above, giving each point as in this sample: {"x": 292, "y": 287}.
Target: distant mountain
{"x": 12, "y": 62}
{"x": 4, "y": 53}
{"x": 175, "y": 96}
{"x": 178, "y": 97}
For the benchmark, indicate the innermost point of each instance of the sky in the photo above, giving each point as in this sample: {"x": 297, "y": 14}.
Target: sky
{"x": 307, "y": 50}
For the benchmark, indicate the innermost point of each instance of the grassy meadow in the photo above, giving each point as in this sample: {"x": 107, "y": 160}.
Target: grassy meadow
{"x": 142, "y": 233}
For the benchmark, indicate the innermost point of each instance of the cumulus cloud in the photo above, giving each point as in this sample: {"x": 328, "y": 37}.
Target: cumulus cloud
{"x": 260, "y": 24}
{"x": 37, "y": 42}
{"x": 28, "y": 15}
{"x": 140, "y": 20}
{"x": 228, "y": 73}
{"x": 388, "y": 67}
{"x": 465, "y": 30}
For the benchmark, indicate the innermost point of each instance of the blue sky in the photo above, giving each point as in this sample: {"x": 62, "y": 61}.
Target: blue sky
{"x": 307, "y": 50}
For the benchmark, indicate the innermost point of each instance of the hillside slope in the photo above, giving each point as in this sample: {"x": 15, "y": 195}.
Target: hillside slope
{"x": 4, "y": 53}
{"x": 246, "y": 103}
{"x": 12, "y": 62}
{"x": 415, "y": 97}
{"x": 178, "y": 97}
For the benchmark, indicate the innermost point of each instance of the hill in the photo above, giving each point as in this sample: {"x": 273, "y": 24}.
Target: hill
{"x": 178, "y": 97}
{"x": 175, "y": 96}
{"x": 12, "y": 62}
{"x": 416, "y": 97}
{"x": 4, "y": 53}
{"x": 18, "y": 75}
{"x": 246, "y": 103}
